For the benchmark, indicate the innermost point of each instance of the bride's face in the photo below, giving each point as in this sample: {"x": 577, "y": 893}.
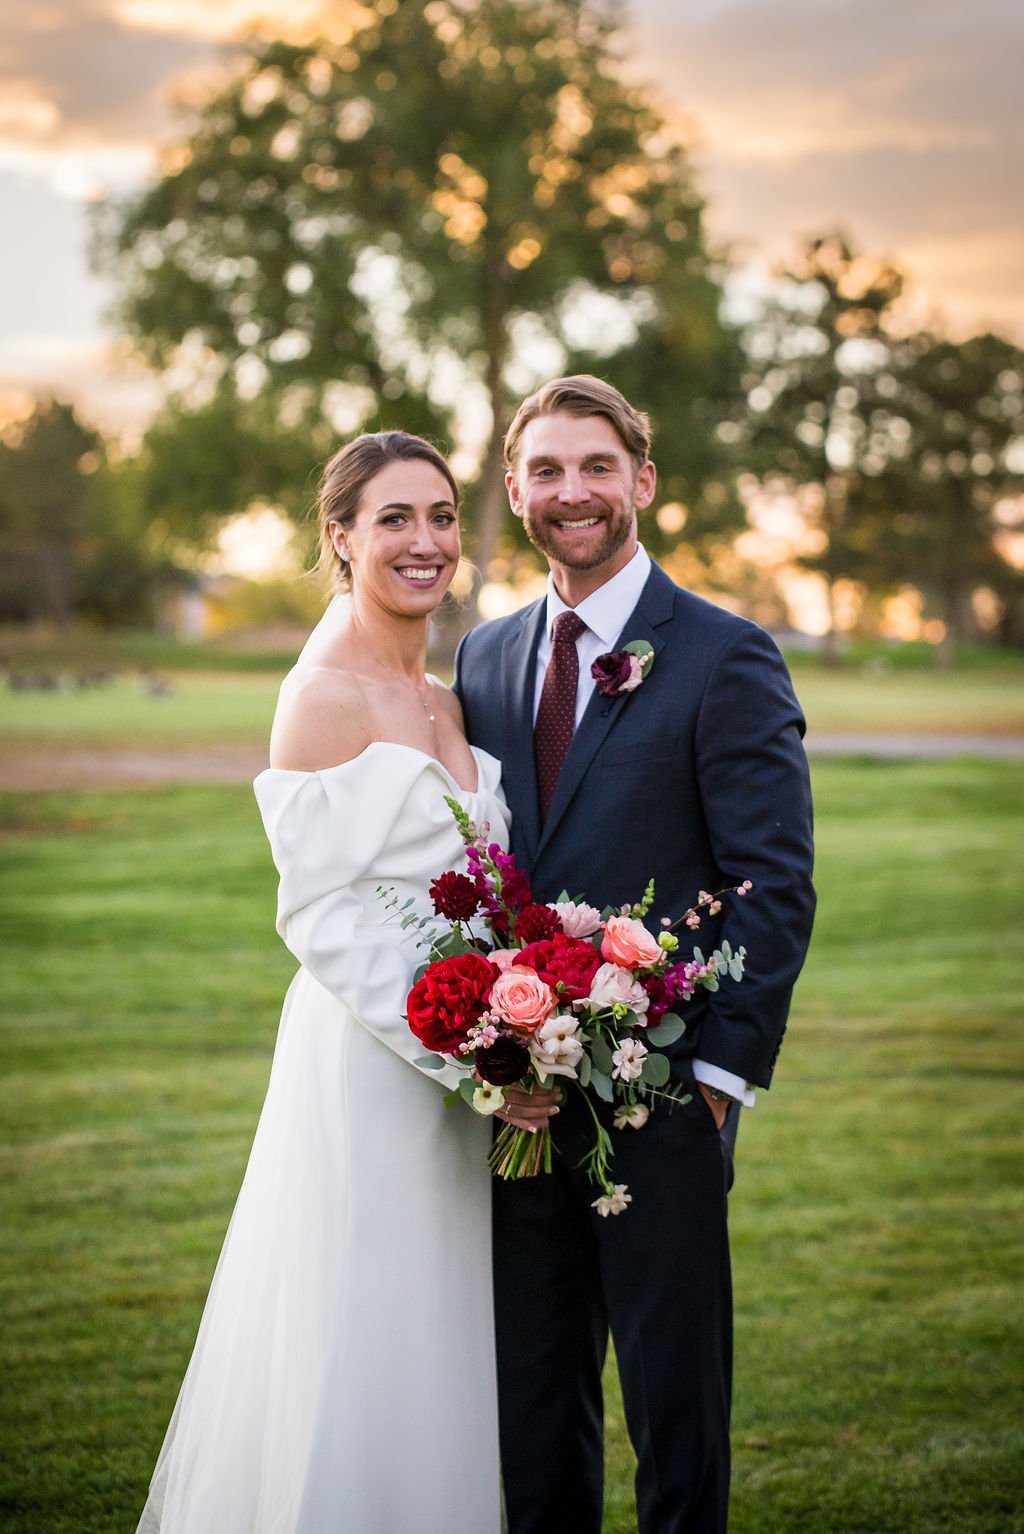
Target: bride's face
{"x": 403, "y": 548}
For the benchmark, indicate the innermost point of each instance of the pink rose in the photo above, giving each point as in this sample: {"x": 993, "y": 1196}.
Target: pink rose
{"x": 521, "y": 999}
{"x": 502, "y": 958}
{"x": 628, "y": 942}
{"x": 613, "y": 986}
{"x": 578, "y": 920}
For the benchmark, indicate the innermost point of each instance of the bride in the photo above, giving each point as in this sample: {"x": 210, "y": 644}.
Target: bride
{"x": 343, "y": 1375}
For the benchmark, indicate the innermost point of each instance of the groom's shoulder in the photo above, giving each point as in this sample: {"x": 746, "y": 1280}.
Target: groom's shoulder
{"x": 493, "y": 633}
{"x": 708, "y": 620}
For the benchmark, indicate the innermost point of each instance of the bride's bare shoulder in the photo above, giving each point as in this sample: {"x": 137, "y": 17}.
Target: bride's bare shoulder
{"x": 323, "y": 718}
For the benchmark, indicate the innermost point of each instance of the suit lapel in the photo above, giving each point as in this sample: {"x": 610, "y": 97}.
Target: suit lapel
{"x": 518, "y": 675}
{"x": 653, "y": 610}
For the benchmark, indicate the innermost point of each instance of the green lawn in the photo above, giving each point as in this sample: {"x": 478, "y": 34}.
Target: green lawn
{"x": 209, "y": 707}
{"x": 877, "y": 1227}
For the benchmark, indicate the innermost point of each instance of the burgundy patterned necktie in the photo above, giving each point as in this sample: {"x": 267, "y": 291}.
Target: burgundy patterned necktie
{"x": 556, "y": 716}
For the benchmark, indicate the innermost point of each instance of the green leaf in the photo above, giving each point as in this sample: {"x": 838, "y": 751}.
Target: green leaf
{"x": 656, "y": 1071}
{"x": 698, "y": 955}
{"x": 601, "y": 1054}
{"x": 583, "y": 1070}
{"x": 430, "y": 1062}
{"x": 666, "y": 1031}
{"x": 602, "y": 1085}
{"x": 467, "y": 1086}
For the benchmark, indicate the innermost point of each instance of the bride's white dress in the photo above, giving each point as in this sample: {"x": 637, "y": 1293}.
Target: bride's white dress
{"x": 343, "y": 1376}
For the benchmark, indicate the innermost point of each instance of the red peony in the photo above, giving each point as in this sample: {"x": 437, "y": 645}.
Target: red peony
{"x": 449, "y": 999}
{"x": 455, "y": 897}
{"x": 503, "y": 1063}
{"x": 568, "y": 964}
{"x": 536, "y": 922}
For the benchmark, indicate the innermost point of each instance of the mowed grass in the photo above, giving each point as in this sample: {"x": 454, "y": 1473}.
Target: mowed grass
{"x": 876, "y": 1219}
{"x": 197, "y": 708}
{"x": 207, "y": 707}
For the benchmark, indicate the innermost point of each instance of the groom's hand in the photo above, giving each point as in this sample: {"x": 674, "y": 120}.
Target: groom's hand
{"x": 530, "y": 1110}
{"x": 719, "y": 1105}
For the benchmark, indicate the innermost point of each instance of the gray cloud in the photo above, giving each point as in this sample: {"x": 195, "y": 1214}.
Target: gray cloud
{"x": 109, "y": 82}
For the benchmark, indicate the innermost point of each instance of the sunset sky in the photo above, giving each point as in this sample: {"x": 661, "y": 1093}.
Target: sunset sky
{"x": 902, "y": 122}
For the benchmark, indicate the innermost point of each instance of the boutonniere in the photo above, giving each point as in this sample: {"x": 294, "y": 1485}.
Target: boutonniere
{"x": 623, "y": 670}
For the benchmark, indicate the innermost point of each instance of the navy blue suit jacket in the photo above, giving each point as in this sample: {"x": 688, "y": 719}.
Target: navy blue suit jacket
{"x": 697, "y": 778}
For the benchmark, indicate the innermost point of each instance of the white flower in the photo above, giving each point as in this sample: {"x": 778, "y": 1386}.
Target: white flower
{"x": 612, "y": 985}
{"x": 556, "y": 1046}
{"x": 577, "y": 920}
{"x": 614, "y": 1202}
{"x": 488, "y": 1098}
{"x": 629, "y": 1059}
{"x": 631, "y": 1116}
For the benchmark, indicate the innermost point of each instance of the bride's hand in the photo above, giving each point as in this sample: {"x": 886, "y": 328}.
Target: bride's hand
{"x": 530, "y": 1110}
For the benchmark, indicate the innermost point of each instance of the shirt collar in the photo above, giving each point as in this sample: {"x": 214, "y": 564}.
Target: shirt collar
{"x": 605, "y": 611}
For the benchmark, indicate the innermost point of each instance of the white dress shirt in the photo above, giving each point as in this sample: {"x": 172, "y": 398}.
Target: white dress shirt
{"x": 606, "y": 612}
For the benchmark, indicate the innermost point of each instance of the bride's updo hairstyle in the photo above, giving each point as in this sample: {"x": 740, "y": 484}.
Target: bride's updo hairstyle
{"x": 350, "y": 471}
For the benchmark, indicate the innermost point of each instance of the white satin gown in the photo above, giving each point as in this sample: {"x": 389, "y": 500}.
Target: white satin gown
{"x": 343, "y": 1375}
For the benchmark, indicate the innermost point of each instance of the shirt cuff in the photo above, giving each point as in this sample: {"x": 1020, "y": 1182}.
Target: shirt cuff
{"x": 724, "y": 1081}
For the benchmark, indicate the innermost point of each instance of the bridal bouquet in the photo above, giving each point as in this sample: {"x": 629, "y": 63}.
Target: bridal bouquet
{"x": 519, "y": 992}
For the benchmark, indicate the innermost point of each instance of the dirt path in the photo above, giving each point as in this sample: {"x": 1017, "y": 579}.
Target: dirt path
{"x": 53, "y": 768}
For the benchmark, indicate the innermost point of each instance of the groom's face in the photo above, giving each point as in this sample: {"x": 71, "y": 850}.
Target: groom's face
{"x": 577, "y": 490}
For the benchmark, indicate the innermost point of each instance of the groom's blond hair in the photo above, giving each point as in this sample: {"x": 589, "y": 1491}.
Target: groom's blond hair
{"x": 582, "y": 394}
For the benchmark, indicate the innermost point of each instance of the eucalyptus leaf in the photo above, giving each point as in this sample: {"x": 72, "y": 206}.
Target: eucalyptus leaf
{"x": 726, "y": 950}
{"x": 736, "y": 967}
{"x": 583, "y": 1069}
{"x": 602, "y": 1085}
{"x": 656, "y": 1071}
{"x": 467, "y": 1086}
{"x": 430, "y": 1062}
{"x": 698, "y": 955}
{"x": 601, "y": 1054}
{"x": 669, "y": 1028}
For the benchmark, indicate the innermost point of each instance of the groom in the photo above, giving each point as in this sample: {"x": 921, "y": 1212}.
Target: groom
{"x": 696, "y": 778}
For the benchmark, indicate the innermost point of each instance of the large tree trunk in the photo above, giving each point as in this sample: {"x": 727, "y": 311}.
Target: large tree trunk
{"x": 491, "y": 511}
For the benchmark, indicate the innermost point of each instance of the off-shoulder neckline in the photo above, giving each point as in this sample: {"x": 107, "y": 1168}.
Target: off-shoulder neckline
{"x": 394, "y": 745}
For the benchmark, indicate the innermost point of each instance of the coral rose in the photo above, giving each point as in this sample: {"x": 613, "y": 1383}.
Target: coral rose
{"x": 449, "y": 1000}
{"x": 521, "y": 999}
{"x": 629, "y": 943}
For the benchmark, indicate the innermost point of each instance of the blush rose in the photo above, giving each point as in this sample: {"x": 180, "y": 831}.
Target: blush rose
{"x": 629, "y": 943}
{"x": 521, "y": 999}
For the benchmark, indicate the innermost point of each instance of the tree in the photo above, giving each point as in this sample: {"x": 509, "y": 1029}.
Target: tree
{"x": 45, "y": 464}
{"x": 433, "y": 206}
{"x": 817, "y": 370}
{"x": 958, "y": 412}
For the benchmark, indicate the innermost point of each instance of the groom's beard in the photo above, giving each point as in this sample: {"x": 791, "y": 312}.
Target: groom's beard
{"x": 617, "y": 526}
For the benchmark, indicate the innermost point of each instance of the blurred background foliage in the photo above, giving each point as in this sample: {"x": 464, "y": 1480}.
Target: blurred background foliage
{"x": 413, "y": 220}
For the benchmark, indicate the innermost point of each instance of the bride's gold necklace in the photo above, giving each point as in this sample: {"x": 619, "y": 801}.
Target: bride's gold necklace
{"x": 408, "y": 682}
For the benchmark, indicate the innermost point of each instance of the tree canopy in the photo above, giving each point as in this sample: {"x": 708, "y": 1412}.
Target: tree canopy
{"x": 442, "y": 204}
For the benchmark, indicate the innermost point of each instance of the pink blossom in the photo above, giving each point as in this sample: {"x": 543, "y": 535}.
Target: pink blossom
{"x": 503, "y": 958}
{"x": 578, "y": 920}
{"x": 631, "y": 1116}
{"x": 629, "y": 1059}
{"x": 614, "y": 986}
{"x": 636, "y": 674}
{"x": 614, "y": 1202}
